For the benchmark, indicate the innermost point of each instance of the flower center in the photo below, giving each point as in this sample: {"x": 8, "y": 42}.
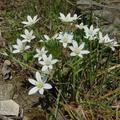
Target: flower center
{"x": 77, "y": 50}
{"x": 22, "y": 48}
{"x": 40, "y": 85}
{"x": 47, "y": 62}
{"x": 40, "y": 54}
{"x": 91, "y": 33}
{"x": 28, "y": 37}
{"x": 65, "y": 40}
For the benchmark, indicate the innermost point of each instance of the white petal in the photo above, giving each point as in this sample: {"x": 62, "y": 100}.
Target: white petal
{"x": 15, "y": 51}
{"x": 38, "y": 77}
{"x": 80, "y": 55}
{"x": 26, "y": 32}
{"x": 41, "y": 91}
{"x": 24, "y": 22}
{"x": 82, "y": 45}
{"x": 29, "y": 18}
{"x": 50, "y": 67}
{"x": 23, "y": 36}
{"x": 75, "y": 44}
{"x": 19, "y": 42}
{"x": 47, "y": 86}
{"x": 72, "y": 48}
{"x": 44, "y": 57}
{"x": 85, "y": 52}
{"x": 54, "y": 61}
{"x": 27, "y": 47}
{"x": 44, "y": 68}
{"x": 72, "y": 54}
{"x": 35, "y": 18}
{"x": 33, "y": 90}
{"x": 42, "y": 62}
{"x": 46, "y": 37}
{"x": 36, "y": 56}
{"x": 50, "y": 57}
{"x": 15, "y": 46}
{"x": 32, "y": 81}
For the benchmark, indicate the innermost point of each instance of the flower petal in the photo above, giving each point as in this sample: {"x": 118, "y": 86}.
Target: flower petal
{"x": 44, "y": 68}
{"x": 32, "y": 81}
{"x": 47, "y": 86}
{"x": 85, "y": 52}
{"x": 38, "y": 77}
{"x": 33, "y": 90}
{"x": 72, "y": 54}
{"x": 41, "y": 91}
{"x": 82, "y": 46}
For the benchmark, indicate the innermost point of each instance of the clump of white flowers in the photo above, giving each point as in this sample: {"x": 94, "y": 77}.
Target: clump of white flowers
{"x": 67, "y": 38}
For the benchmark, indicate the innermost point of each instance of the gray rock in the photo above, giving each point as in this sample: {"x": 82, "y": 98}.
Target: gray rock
{"x": 107, "y": 10}
{"x": 9, "y": 107}
{"x": 6, "y": 91}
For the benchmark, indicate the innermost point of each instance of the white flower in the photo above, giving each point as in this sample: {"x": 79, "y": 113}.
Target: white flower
{"x": 68, "y": 18}
{"x": 80, "y": 26}
{"x": 65, "y": 38}
{"x": 28, "y": 36}
{"x": 30, "y": 21}
{"x": 47, "y": 63}
{"x": 91, "y": 32}
{"x": 78, "y": 50}
{"x": 39, "y": 84}
{"x": 47, "y": 38}
{"x": 20, "y": 47}
{"x": 40, "y": 53}
{"x": 107, "y": 41}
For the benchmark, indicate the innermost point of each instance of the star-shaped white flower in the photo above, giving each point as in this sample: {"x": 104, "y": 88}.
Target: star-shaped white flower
{"x": 39, "y": 84}
{"x": 68, "y": 18}
{"x": 28, "y": 36}
{"x": 20, "y": 47}
{"x": 91, "y": 32}
{"x": 40, "y": 53}
{"x": 47, "y": 63}
{"x": 65, "y": 38}
{"x": 107, "y": 41}
{"x": 78, "y": 50}
{"x": 30, "y": 21}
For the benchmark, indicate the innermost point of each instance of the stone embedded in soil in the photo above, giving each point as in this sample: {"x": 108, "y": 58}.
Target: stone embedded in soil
{"x": 9, "y": 107}
{"x": 107, "y": 10}
{"x": 6, "y": 91}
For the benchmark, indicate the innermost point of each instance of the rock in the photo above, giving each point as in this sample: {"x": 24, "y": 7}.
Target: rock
{"x": 6, "y": 70}
{"x": 107, "y": 10}
{"x": 6, "y": 91}
{"x": 9, "y": 107}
